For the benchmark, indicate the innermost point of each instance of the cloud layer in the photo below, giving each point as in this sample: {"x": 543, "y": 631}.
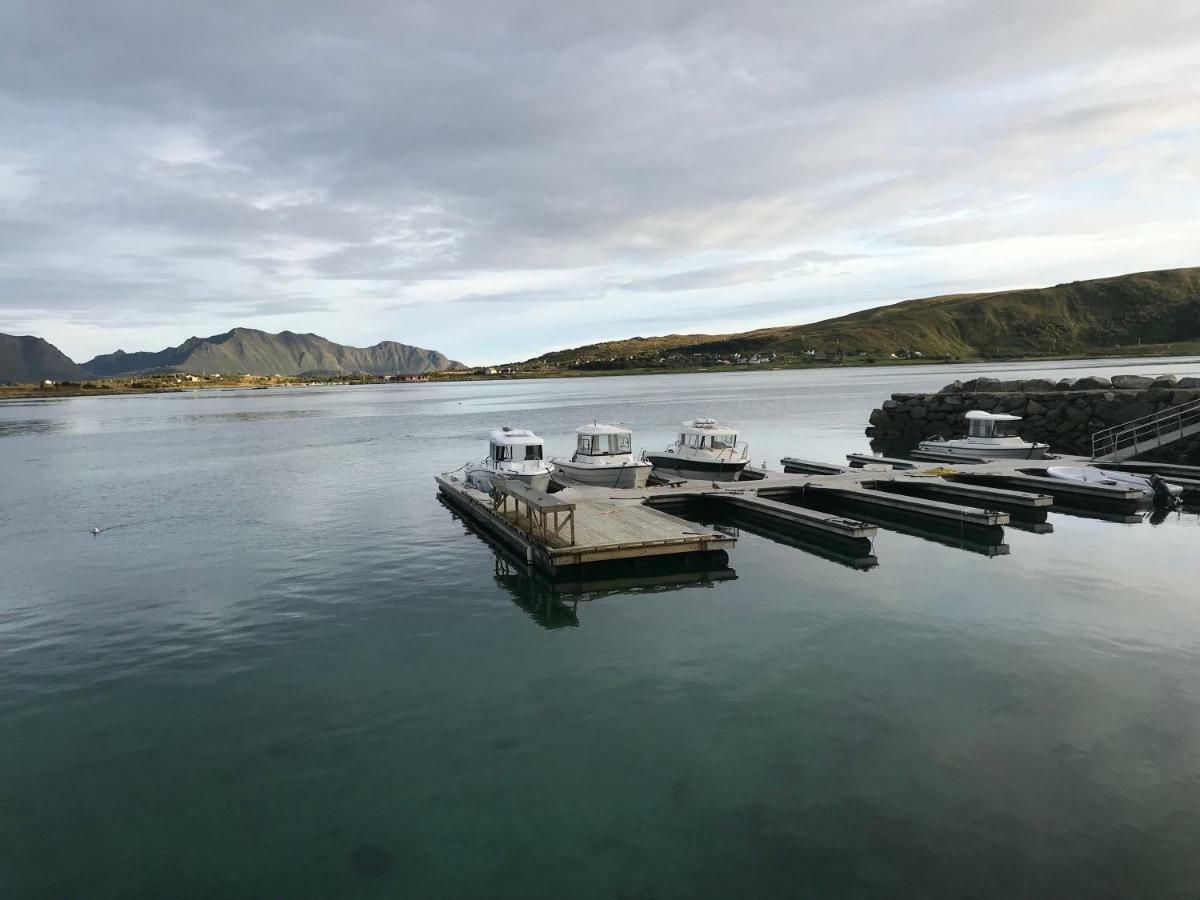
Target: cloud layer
{"x": 423, "y": 172}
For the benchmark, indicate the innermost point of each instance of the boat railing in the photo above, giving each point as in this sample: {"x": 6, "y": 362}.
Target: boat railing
{"x": 1147, "y": 432}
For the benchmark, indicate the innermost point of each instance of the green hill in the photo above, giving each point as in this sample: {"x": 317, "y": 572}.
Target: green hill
{"x": 1103, "y": 315}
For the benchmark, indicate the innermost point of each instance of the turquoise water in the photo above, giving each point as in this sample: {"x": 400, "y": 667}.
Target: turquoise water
{"x": 286, "y": 670}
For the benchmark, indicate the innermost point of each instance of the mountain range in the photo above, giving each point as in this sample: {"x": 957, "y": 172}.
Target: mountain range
{"x": 1103, "y": 315}
{"x": 241, "y": 351}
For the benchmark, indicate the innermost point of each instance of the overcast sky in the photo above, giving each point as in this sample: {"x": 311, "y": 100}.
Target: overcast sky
{"x": 498, "y": 179}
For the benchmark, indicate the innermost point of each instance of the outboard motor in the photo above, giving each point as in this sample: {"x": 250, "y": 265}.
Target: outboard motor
{"x": 1162, "y": 493}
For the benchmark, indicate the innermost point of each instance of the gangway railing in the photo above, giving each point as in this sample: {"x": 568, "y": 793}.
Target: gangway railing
{"x": 1136, "y": 436}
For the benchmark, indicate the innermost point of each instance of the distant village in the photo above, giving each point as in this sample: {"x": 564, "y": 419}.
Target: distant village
{"x": 699, "y": 360}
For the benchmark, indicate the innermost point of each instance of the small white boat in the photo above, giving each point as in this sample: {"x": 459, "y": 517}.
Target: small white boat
{"x": 989, "y": 435}
{"x": 705, "y": 451}
{"x": 514, "y": 453}
{"x": 604, "y": 457}
{"x": 1151, "y": 486}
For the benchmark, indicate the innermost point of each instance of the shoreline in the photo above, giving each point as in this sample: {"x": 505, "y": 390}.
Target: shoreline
{"x": 25, "y": 392}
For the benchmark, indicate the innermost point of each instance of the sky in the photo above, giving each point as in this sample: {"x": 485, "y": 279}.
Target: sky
{"x": 499, "y": 180}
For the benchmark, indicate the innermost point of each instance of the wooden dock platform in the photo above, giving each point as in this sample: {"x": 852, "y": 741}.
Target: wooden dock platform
{"x": 604, "y": 529}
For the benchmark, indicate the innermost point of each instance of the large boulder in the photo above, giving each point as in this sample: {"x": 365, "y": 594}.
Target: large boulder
{"x": 953, "y": 387}
{"x": 1189, "y": 383}
{"x": 1165, "y": 381}
{"x": 1091, "y": 383}
{"x": 1132, "y": 382}
{"x": 879, "y": 418}
{"x": 1036, "y": 385}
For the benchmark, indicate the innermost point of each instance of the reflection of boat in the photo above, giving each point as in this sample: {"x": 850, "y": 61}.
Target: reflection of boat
{"x": 704, "y": 450}
{"x": 1151, "y": 486}
{"x": 514, "y": 453}
{"x": 990, "y": 435}
{"x": 604, "y": 457}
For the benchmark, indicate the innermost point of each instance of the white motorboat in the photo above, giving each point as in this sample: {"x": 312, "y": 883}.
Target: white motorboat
{"x": 604, "y": 457}
{"x": 1151, "y": 486}
{"x": 705, "y": 451}
{"x": 514, "y": 453}
{"x": 989, "y": 435}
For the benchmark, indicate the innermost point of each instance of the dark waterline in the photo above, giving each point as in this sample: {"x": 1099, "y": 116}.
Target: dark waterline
{"x": 287, "y": 670}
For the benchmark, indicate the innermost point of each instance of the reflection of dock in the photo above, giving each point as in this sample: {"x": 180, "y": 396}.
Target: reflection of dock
{"x": 832, "y": 510}
{"x": 553, "y": 600}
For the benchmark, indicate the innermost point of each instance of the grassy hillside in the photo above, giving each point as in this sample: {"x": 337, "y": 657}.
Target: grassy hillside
{"x": 1104, "y": 315}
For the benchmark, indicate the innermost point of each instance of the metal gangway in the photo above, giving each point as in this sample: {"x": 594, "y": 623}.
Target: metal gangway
{"x": 1129, "y": 439}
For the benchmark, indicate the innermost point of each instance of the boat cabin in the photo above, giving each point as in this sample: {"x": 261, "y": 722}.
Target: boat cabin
{"x": 706, "y": 434}
{"x": 603, "y": 440}
{"x": 509, "y": 444}
{"x": 982, "y": 424}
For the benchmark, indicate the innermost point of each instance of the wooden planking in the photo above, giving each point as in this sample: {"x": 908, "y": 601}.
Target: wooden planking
{"x": 605, "y": 530}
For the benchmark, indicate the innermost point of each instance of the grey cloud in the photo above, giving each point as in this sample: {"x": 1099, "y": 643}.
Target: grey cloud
{"x": 308, "y": 148}
{"x": 733, "y": 274}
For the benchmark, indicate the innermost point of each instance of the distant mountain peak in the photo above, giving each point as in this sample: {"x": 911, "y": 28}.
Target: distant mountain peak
{"x": 250, "y": 351}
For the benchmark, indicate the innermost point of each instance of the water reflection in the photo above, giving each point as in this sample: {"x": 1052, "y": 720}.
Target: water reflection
{"x": 553, "y": 601}
{"x": 30, "y": 426}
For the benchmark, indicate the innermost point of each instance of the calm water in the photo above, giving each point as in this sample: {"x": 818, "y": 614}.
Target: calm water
{"x": 286, "y": 670}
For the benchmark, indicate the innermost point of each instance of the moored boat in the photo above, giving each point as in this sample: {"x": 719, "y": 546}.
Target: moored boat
{"x": 514, "y": 453}
{"x": 1152, "y": 486}
{"x": 603, "y": 457}
{"x": 705, "y": 450}
{"x": 989, "y": 435}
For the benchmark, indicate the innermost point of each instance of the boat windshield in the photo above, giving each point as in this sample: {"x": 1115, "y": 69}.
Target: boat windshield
{"x": 1007, "y": 429}
{"x": 603, "y": 444}
{"x": 980, "y": 427}
{"x": 724, "y": 441}
{"x": 502, "y": 452}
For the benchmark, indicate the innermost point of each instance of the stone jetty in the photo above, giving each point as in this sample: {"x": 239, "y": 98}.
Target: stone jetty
{"x": 1063, "y": 414}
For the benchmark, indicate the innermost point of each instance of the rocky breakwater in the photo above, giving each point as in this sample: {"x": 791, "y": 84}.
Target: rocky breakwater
{"x": 1063, "y": 414}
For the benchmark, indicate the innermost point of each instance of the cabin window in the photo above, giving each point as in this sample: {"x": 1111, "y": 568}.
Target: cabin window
{"x": 979, "y": 428}
{"x": 500, "y": 452}
{"x": 533, "y": 451}
{"x": 602, "y": 444}
{"x": 695, "y": 441}
{"x": 1007, "y": 429}
{"x": 724, "y": 442}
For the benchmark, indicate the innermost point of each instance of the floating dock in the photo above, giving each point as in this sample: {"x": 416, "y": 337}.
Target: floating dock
{"x": 833, "y": 510}
{"x": 597, "y": 530}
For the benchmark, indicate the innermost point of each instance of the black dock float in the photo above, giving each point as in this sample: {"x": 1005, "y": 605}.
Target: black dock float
{"x": 795, "y": 466}
{"x": 859, "y": 460}
{"x": 967, "y": 494}
{"x": 1059, "y": 488}
{"x": 899, "y": 504}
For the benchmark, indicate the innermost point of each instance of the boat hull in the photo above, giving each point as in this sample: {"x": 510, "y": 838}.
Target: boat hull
{"x": 624, "y": 475}
{"x": 962, "y": 448}
{"x": 1160, "y": 491}
{"x": 670, "y": 465}
{"x": 481, "y": 478}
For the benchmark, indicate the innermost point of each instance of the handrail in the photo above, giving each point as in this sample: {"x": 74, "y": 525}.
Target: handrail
{"x": 1169, "y": 423}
